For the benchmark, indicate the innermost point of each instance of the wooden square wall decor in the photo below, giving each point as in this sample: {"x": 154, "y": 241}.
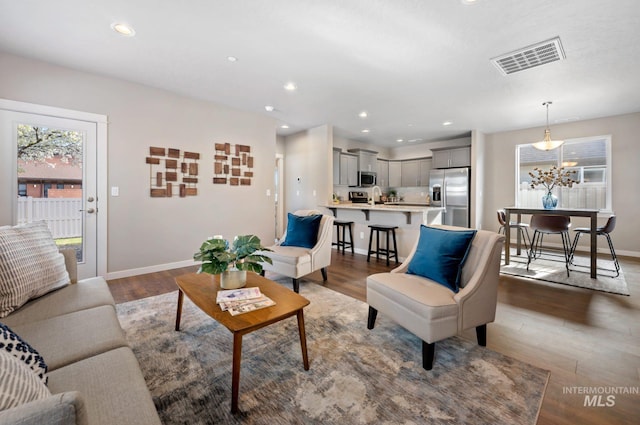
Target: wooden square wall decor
{"x": 179, "y": 176}
{"x": 232, "y": 164}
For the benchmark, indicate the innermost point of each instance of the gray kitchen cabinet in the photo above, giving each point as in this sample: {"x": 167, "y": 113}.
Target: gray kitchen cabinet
{"x": 425, "y": 170}
{"x": 410, "y": 173}
{"x": 348, "y": 169}
{"x": 395, "y": 173}
{"x": 382, "y": 178}
{"x": 449, "y": 158}
{"x": 367, "y": 160}
{"x": 336, "y": 165}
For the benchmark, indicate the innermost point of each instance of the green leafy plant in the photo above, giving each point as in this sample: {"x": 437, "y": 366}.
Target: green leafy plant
{"x": 217, "y": 257}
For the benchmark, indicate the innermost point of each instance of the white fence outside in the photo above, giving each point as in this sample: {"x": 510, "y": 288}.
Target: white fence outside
{"x": 589, "y": 197}
{"x": 61, "y": 214}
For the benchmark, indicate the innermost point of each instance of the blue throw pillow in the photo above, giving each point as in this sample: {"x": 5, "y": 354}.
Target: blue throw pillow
{"x": 440, "y": 255}
{"x": 302, "y": 230}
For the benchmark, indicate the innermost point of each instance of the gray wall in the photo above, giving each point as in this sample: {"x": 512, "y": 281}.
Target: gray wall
{"x": 499, "y": 172}
{"x": 144, "y": 231}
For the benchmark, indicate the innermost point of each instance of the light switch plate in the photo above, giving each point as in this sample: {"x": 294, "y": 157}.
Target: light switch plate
{"x": 115, "y": 191}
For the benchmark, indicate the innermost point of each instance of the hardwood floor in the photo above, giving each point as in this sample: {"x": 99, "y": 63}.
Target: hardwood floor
{"x": 589, "y": 340}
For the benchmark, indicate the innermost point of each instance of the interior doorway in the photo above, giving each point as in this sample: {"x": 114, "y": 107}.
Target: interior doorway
{"x": 279, "y": 196}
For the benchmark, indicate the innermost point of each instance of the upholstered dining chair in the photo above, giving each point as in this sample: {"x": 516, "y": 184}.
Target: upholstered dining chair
{"x": 600, "y": 231}
{"x": 430, "y": 309}
{"x": 523, "y": 228}
{"x": 549, "y": 225}
{"x": 300, "y": 251}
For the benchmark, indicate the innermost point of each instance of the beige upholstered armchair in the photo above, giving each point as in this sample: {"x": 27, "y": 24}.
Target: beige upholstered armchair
{"x": 432, "y": 311}
{"x": 297, "y": 261}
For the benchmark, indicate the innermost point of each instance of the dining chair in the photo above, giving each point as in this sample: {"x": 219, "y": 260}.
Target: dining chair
{"x": 550, "y": 225}
{"x": 523, "y": 228}
{"x": 600, "y": 231}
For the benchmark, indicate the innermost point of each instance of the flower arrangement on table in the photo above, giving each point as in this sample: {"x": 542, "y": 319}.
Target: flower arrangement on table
{"x": 552, "y": 178}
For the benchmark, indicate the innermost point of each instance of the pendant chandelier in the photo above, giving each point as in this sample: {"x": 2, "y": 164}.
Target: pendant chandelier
{"x": 547, "y": 144}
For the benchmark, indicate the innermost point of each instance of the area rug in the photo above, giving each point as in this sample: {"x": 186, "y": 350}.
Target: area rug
{"x": 356, "y": 376}
{"x": 550, "y": 269}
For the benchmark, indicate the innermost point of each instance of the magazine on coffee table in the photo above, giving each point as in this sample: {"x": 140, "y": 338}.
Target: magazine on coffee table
{"x": 243, "y": 300}
{"x": 246, "y": 307}
{"x": 237, "y": 294}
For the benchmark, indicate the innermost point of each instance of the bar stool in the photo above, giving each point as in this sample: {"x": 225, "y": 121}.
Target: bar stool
{"x": 340, "y": 239}
{"x": 386, "y": 251}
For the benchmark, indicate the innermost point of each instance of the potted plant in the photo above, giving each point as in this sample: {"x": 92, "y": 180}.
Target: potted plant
{"x": 231, "y": 263}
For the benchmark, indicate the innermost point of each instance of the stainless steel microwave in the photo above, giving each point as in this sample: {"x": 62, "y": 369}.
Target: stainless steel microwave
{"x": 366, "y": 178}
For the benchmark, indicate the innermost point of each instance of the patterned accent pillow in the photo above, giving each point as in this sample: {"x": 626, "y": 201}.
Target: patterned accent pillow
{"x": 30, "y": 265}
{"x": 11, "y": 343}
{"x": 18, "y": 385}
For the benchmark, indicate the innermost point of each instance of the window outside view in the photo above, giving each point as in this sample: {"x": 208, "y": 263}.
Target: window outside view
{"x": 50, "y": 182}
{"x": 588, "y": 157}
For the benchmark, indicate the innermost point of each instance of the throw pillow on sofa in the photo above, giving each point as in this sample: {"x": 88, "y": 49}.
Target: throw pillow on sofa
{"x": 302, "y": 230}
{"x": 440, "y": 255}
{"x": 30, "y": 265}
{"x": 11, "y": 343}
{"x": 18, "y": 384}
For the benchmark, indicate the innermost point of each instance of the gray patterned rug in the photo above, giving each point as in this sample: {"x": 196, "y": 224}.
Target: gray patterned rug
{"x": 551, "y": 268}
{"x": 356, "y": 376}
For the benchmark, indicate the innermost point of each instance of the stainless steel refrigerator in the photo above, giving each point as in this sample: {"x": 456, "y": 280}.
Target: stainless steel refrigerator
{"x": 449, "y": 188}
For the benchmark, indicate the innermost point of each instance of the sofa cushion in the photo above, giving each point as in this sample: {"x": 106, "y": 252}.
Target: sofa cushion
{"x": 87, "y": 293}
{"x": 75, "y": 336}
{"x": 58, "y": 409}
{"x": 13, "y": 344}
{"x": 302, "y": 230}
{"x": 30, "y": 265}
{"x": 18, "y": 383}
{"x": 440, "y": 255}
{"x": 289, "y": 254}
{"x": 112, "y": 386}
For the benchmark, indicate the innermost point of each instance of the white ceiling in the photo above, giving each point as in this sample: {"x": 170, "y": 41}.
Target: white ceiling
{"x": 411, "y": 64}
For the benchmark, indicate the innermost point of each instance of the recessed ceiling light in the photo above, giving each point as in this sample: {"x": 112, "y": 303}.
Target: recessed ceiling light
{"x": 232, "y": 59}
{"x": 468, "y": 1}
{"x": 447, "y": 123}
{"x": 290, "y": 86}
{"x": 284, "y": 126}
{"x": 399, "y": 140}
{"x": 123, "y": 29}
{"x": 409, "y": 125}
{"x": 363, "y": 114}
{"x": 269, "y": 108}
{"x": 366, "y": 130}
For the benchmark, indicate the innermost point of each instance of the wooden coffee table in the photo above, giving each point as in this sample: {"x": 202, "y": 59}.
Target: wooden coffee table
{"x": 202, "y": 290}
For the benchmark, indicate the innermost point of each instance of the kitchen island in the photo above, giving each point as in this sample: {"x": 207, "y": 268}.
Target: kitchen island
{"x": 408, "y": 218}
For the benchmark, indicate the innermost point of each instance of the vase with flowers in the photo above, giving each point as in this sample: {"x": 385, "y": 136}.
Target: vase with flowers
{"x": 232, "y": 262}
{"x": 550, "y": 179}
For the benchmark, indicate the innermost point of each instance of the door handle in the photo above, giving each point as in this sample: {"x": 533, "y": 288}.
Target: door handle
{"x": 89, "y": 210}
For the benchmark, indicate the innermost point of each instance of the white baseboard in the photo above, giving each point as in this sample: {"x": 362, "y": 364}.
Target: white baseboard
{"x": 150, "y": 269}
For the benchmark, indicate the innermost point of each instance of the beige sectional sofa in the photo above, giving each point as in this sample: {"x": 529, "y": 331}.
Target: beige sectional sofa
{"x": 93, "y": 375}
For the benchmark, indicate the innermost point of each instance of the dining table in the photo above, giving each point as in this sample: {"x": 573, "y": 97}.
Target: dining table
{"x": 591, "y": 213}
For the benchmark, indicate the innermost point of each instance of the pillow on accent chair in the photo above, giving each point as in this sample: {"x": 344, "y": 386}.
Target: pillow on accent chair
{"x": 302, "y": 230}
{"x": 440, "y": 255}
{"x": 30, "y": 265}
{"x": 11, "y": 343}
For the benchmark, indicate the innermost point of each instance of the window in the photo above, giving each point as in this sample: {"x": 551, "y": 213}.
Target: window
{"x": 589, "y": 157}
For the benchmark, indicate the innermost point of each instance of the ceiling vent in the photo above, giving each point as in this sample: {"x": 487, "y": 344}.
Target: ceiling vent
{"x": 530, "y": 56}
